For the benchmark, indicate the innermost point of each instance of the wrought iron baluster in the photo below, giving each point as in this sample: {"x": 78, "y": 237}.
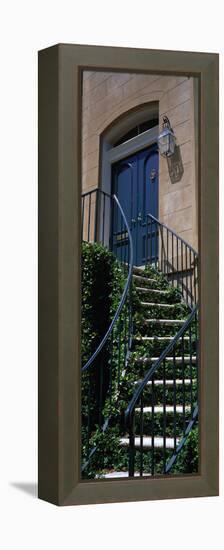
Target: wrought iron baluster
{"x": 167, "y": 252}
{"x": 197, "y": 357}
{"x": 132, "y": 445}
{"x": 111, "y": 208}
{"x": 194, "y": 283}
{"x": 162, "y": 251}
{"x": 141, "y": 435}
{"x": 191, "y": 374}
{"x": 151, "y": 233}
{"x": 174, "y": 400}
{"x": 172, "y": 261}
{"x": 177, "y": 262}
{"x": 182, "y": 269}
{"x": 157, "y": 245}
{"x": 89, "y": 216}
{"x": 96, "y": 215}
{"x": 152, "y": 429}
{"x": 122, "y": 243}
{"x": 191, "y": 280}
{"x": 164, "y": 415}
{"x": 125, "y": 331}
{"x": 82, "y": 220}
{"x": 115, "y": 232}
{"x": 99, "y": 360}
{"x": 196, "y": 260}
{"x": 147, "y": 240}
{"x": 88, "y": 413}
{"x": 119, "y": 350}
{"x": 183, "y": 381}
{"x": 136, "y": 240}
{"x": 103, "y": 227}
{"x": 111, "y": 365}
{"x": 186, "y": 267}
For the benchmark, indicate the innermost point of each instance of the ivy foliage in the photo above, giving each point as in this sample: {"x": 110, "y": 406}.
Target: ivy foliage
{"x": 103, "y": 396}
{"x": 188, "y": 458}
{"x": 102, "y": 285}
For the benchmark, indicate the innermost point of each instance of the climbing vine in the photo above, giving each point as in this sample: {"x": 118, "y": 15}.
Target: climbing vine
{"x": 102, "y": 284}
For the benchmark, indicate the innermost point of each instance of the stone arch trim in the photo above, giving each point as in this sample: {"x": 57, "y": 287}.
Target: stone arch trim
{"x": 113, "y": 128}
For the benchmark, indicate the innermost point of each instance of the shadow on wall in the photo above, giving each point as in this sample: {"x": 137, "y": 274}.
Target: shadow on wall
{"x": 175, "y": 165}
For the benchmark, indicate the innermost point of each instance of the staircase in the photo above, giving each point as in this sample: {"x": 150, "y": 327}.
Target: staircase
{"x": 148, "y": 420}
{"x": 159, "y": 311}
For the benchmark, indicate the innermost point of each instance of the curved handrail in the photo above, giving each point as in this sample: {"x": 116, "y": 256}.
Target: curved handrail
{"x": 124, "y": 294}
{"x": 155, "y": 365}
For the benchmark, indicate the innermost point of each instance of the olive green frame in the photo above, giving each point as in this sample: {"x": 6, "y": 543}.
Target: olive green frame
{"x": 60, "y": 82}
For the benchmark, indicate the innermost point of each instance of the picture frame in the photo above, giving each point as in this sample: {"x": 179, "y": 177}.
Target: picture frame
{"x": 59, "y": 126}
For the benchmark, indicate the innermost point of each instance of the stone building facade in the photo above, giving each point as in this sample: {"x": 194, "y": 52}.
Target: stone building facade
{"x": 112, "y": 104}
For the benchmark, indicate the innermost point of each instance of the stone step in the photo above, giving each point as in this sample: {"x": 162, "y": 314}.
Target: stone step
{"x": 147, "y": 442}
{"x": 113, "y": 475}
{"x": 158, "y": 409}
{"x": 178, "y": 360}
{"x": 155, "y": 304}
{"x": 155, "y": 291}
{"x": 165, "y": 321}
{"x": 157, "y": 338}
{"x": 140, "y": 278}
{"x": 138, "y": 270}
{"x": 179, "y": 382}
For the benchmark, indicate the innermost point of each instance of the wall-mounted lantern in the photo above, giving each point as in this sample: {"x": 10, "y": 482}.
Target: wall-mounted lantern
{"x": 166, "y": 139}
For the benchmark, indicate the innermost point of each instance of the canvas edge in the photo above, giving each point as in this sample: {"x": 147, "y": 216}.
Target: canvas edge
{"x": 67, "y": 487}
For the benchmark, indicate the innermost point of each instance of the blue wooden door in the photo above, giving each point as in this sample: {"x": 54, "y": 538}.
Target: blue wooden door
{"x": 135, "y": 182}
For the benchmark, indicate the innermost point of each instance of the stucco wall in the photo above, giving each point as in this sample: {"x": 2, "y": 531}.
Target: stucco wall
{"x": 107, "y": 96}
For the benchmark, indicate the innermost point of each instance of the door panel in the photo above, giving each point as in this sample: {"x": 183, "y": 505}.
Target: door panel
{"x": 135, "y": 182}
{"x": 124, "y": 184}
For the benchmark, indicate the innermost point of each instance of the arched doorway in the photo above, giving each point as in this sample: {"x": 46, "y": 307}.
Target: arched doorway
{"x": 129, "y": 169}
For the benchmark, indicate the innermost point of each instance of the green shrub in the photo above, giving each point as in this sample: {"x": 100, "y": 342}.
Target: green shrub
{"x": 100, "y": 274}
{"x": 102, "y": 286}
{"x": 188, "y": 459}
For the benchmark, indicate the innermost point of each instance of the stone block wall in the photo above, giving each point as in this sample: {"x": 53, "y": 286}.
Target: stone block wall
{"x": 106, "y": 96}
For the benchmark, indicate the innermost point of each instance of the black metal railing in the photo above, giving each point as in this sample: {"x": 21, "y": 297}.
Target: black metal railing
{"x": 174, "y": 257}
{"x": 174, "y": 376}
{"x": 172, "y": 379}
{"x": 101, "y": 373}
{"x": 104, "y": 221}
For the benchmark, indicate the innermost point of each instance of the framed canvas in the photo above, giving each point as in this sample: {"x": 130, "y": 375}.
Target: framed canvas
{"x": 128, "y": 274}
